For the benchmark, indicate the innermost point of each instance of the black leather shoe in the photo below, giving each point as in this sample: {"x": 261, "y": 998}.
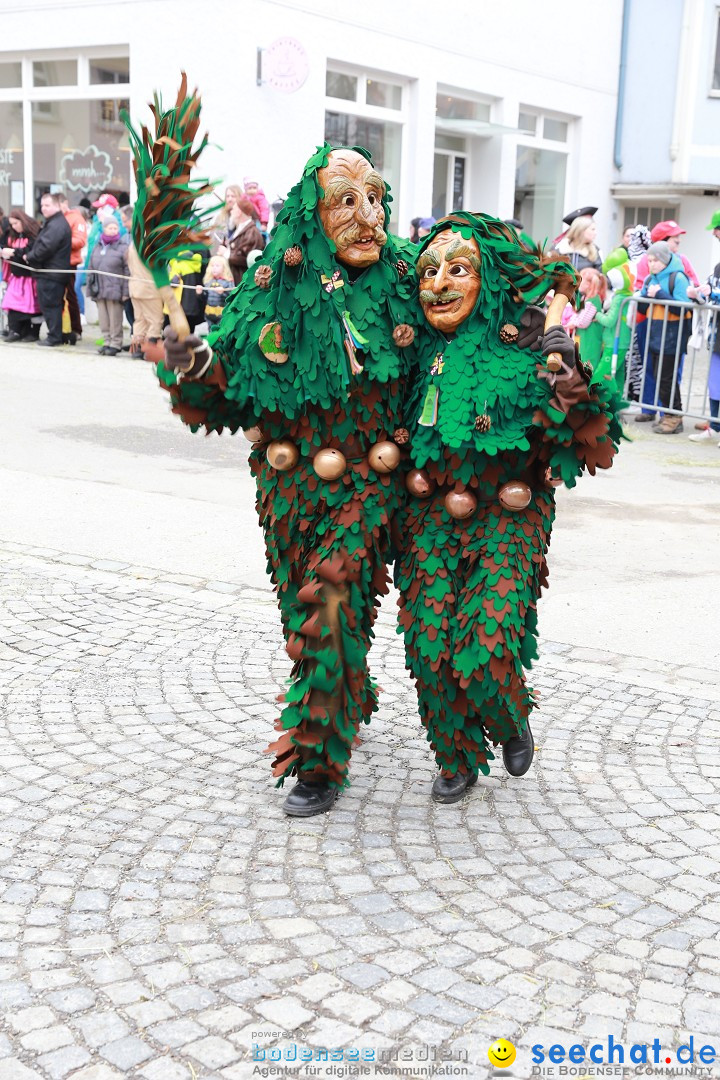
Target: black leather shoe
{"x": 447, "y": 789}
{"x": 306, "y": 799}
{"x": 518, "y": 753}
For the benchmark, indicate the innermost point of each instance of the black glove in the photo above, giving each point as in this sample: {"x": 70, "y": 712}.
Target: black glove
{"x": 556, "y": 340}
{"x": 532, "y": 323}
{"x": 181, "y": 355}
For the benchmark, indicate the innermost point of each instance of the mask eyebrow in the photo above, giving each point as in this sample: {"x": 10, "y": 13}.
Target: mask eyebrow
{"x": 460, "y": 250}
{"x": 375, "y": 180}
{"x": 337, "y": 188}
{"x": 428, "y": 258}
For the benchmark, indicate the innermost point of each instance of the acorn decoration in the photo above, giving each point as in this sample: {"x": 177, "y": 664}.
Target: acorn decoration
{"x": 383, "y": 457}
{"x": 282, "y": 455}
{"x": 402, "y": 268}
{"x": 403, "y": 335}
{"x": 262, "y": 277}
{"x": 293, "y": 256}
{"x": 253, "y": 434}
{"x": 509, "y": 334}
{"x": 329, "y": 464}
{"x": 550, "y": 480}
{"x": 401, "y": 436}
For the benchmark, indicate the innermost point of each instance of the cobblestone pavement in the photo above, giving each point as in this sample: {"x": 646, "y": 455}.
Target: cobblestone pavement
{"x": 159, "y": 915}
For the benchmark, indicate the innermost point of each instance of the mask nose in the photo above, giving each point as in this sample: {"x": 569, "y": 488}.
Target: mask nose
{"x": 366, "y": 211}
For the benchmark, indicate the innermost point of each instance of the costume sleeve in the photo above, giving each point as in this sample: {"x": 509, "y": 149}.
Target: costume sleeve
{"x": 202, "y": 402}
{"x": 579, "y": 422}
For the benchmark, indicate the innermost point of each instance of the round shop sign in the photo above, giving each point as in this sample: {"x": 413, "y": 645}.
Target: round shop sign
{"x": 285, "y": 65}
{"x": 86, "y": 170}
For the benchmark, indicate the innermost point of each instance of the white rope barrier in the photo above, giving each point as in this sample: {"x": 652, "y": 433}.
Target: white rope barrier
{"x": 98, "y": 273}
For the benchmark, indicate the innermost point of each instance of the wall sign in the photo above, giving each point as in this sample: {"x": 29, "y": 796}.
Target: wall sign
{"x": 86, "y": 170}
{"x": 284, "y": 65}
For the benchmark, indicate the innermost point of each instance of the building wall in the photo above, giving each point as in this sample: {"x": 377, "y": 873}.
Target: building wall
{"x": 513, "y": 53}
{"x": 653, "y": 58}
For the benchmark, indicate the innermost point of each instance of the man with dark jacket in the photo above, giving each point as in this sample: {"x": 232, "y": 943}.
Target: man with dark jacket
{"x": 51, "y": 252}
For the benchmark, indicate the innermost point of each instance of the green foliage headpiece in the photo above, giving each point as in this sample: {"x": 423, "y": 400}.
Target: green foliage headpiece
{"x": 310, "y": 314}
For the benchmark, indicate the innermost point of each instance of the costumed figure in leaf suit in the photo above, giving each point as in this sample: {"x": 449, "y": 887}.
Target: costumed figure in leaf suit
{"x": 492, "y": 433}
{"x": 311, "y": 358}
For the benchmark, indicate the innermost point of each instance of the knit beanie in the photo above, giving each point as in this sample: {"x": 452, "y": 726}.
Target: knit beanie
{"x": 660, "y": 250}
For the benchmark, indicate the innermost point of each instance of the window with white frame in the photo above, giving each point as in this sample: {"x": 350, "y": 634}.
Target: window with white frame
{"x": 366, "y": 108}
{"x": 647, "y": 215}
{"x": 541, "y": 171}
{"x": 715, "y": 74}
{"x": 60, "y": 127}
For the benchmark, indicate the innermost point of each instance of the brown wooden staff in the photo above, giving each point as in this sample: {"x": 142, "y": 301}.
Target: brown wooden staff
{"x": 564, "y": 293}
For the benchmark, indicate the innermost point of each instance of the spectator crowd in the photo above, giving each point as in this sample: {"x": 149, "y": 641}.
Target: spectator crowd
{"x": 50, "y": 269}
{"x": 633, "y": 321}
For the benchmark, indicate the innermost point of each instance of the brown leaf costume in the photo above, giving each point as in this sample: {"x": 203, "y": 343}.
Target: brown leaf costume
{"x": 306, "y": 352}
{"x": 469, "y": 588}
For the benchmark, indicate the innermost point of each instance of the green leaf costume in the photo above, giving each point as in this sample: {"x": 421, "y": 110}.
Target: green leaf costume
{"x": 469, "y": 588}
{"x": 332, "y": 376}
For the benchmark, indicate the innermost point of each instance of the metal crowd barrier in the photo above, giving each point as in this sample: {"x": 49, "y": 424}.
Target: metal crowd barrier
{"x": 690, "y": 356}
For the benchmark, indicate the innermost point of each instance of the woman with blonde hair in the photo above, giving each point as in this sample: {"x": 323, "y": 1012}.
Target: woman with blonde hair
{"x": 233, "y": 192}
{"x": 579, "y": 244}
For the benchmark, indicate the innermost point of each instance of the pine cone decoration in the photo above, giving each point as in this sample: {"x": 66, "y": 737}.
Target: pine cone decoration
{"x": 509, "y": 333}
{"x": 262, "y": 277}
{"x": 403, "y": 335}
{"x": 293, "y": 256}
{"x": 483, "y": 423}
{"x": 401, "y": 436}
{"x": 402, "y": 268}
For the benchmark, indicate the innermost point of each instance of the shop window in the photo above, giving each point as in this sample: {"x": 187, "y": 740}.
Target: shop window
{"x": 10, "y": 75}
{"x": 79, "y": 151}
{"x": 540, "y": 191}
{"x": 12, "y": 191}
{"x": 364, "y": 89}
{"x": 451, "y": 107}
{"x": 110, "y": 70}
{"x": 385, "y": 95}
{"x": 55, "y": 73}
{"x": 339, "y": 85}
{"x": 557, "y": 130}
{"x": 527, "y": 123}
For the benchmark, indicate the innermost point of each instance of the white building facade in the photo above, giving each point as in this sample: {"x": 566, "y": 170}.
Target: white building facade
{"x": 508, "y": 109}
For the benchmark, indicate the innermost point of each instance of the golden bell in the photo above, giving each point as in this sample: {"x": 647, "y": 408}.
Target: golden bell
{"x": 419, "y": 483}
{"x": 253, "y": 434}
{"x": 460, "y": 504}
{"x": 329, "y": 464}
{"x": 515, "y": 495}
{"x": 384, "y": 457}
{"x": 552, "y": 481}
{"x": 282, "y": 455}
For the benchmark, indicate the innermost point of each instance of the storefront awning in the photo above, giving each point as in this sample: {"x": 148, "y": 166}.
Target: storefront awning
{"x": 665, "y": 193}
{"x": 483, "y": 129}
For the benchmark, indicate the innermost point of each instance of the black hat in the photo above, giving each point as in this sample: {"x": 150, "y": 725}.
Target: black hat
{"x": 584, "y": 211}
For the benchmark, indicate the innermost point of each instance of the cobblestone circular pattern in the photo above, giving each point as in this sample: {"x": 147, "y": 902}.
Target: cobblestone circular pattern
{"x": 157, "y": 909}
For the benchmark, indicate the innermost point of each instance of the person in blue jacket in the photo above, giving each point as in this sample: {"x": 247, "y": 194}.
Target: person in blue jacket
{"x": 669, "y": 329}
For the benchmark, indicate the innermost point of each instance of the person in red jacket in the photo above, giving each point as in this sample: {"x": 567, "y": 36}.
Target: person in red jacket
{"x": 78, "y": 228}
